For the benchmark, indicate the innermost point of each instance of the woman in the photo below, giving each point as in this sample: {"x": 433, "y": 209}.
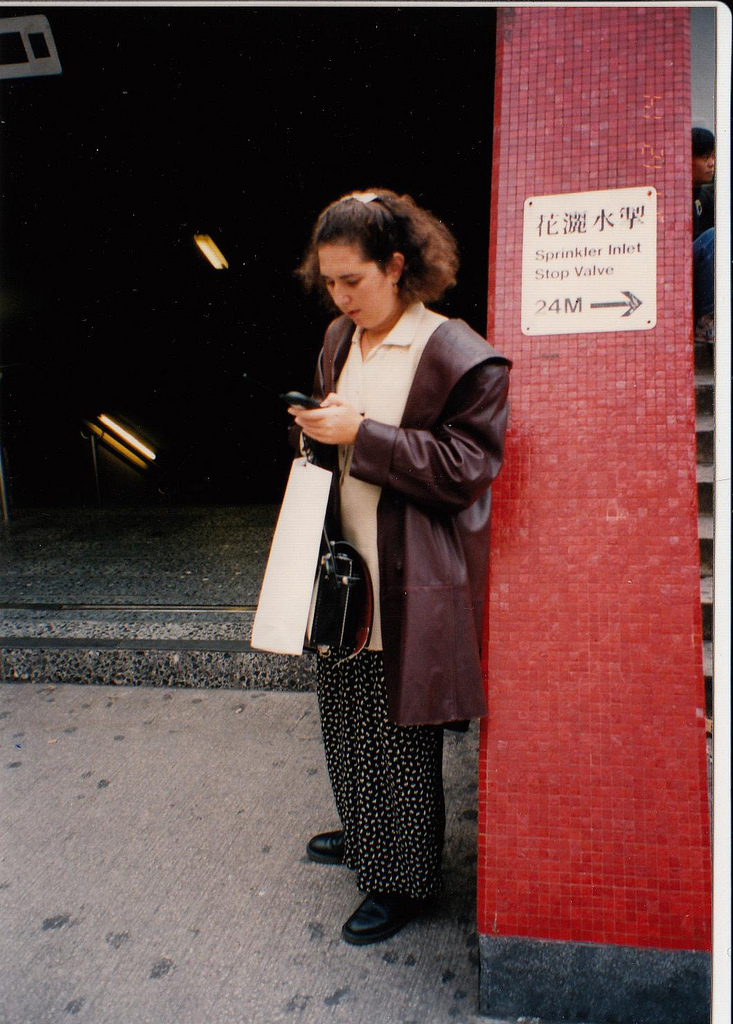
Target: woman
{"x": 412, "y": 418}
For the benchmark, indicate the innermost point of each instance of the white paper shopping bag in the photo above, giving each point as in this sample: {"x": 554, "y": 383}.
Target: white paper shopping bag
{"x": 287, "y": 588}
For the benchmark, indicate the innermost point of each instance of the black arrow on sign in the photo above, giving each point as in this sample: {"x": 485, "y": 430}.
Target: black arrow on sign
{"x": 632, "y": 303}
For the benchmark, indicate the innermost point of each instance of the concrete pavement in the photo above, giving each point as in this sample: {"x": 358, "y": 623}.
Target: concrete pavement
{"x": 152, "y": 868}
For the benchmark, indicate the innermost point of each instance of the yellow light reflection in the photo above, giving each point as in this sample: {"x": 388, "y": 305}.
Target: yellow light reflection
{"x": 116, "y": 446}
{"x": 211, "y": 251}
{"x": 127, "y": 436}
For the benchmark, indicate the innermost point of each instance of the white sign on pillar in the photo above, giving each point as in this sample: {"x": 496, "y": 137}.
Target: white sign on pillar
{"x": 589, "y": 262}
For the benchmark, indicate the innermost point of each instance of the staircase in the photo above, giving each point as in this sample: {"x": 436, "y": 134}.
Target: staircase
{"x": 704, "y": 406}
{"x": 156, "y": 596}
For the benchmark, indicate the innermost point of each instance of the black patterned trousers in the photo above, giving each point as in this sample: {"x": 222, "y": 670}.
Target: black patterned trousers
{"x": 387, "y": 780}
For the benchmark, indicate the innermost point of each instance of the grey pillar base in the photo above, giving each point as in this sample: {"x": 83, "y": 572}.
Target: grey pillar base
{"x": 548, "y": 982}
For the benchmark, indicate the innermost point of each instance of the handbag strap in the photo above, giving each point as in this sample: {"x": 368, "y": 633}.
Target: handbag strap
{"x": 309, "y": 456}
{"x": 331, "y": 552}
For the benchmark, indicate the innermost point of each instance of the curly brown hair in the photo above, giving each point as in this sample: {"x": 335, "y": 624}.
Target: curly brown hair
{"x": 387, "y": 224}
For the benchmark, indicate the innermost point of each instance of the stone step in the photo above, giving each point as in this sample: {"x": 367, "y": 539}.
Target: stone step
{"x": 129, "y": 646}
{"x": 705, "y": 526}
{"x": 704, "y": 394}
{"x": 706, "y": 600}
{"x": 47, "y": 637}
{"x": 704, "y": 431}
{"x": 705, "y": 489}
{"x": 707, "y": 668}
{"x": 707, "y": 659}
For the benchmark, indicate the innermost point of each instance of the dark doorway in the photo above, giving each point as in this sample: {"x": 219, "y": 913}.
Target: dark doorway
{"x": 241, "y": 123}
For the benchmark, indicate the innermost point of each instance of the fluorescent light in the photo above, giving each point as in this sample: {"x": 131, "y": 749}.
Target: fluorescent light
{"x": 211, "y": 251}
{"x": 127, "y": 436}
{"x": 113, "y": 443}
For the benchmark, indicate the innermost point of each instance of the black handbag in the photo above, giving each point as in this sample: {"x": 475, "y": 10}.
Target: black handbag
{"x": 342, "y": 609}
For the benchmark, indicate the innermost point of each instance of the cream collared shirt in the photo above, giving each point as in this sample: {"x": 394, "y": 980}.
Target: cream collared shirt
{"x": 378, "y": 387}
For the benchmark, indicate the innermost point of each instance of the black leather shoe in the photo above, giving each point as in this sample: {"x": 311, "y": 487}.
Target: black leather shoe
{"x": 380, "y": 915}
{"x": 327, "y": 848}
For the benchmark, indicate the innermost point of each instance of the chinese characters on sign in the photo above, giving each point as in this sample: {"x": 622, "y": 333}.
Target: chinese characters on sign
{"x": 589, "y": 262}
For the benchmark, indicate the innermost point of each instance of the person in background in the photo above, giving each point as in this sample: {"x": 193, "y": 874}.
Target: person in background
{"x": 703, "y": 233}
{"x": 412, "y": 420}
{"x": 703, "y": 172}
{"x": 703, "y": 285}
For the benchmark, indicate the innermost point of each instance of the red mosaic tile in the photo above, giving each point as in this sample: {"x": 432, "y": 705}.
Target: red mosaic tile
{"x": 593, "y": 792}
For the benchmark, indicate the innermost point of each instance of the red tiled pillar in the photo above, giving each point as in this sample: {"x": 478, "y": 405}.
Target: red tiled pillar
{"x": 594, "y": 843}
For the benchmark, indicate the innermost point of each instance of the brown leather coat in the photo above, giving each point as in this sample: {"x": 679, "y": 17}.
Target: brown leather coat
{"x": 435, "y": 471}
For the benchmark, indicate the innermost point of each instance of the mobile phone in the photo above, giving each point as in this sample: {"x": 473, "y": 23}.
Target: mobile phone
{"x": 301, "y": 400}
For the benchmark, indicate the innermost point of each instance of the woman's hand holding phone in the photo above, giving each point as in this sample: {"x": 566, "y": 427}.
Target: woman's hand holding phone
{"x": 334, "y": 421}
